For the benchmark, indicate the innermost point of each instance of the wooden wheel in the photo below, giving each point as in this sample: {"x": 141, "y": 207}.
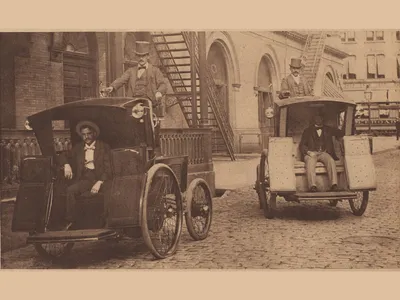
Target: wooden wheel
{"x": 161, "y": 211}
{"x": 54, "y": 251}
{"x": 266, "y": 198}
{"x": 359, "y": 204}
{"x": 198, "y": 209}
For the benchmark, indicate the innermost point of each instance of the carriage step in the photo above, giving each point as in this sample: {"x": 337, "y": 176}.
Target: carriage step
{"x": 339, "y": 195}
{"x": 71, "y": 236}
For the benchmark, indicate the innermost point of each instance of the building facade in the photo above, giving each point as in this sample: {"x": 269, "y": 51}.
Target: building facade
{"x": 43, "y": 69}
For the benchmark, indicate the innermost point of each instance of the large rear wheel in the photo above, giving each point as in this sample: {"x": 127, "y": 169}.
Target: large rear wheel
{"x": 198, "y": 209}
{"x": 161, "y": 211}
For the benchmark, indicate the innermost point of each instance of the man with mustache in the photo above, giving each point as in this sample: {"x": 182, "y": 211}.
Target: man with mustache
{"x": 91, "y": 167}
{"x": 316, "y": 145}
{"x": 295, "y": 85}
{"x": 143, "y": 80}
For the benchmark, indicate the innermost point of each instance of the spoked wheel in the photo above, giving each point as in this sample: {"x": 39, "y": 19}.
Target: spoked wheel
{"x": 257, "y": 186}
{"x": 333, "y": 203}
{"x": 359, "y": 204}
{"x": 161, "y": 211}
{"x": 199, "y": 209}
{"x": 54, "y": 251}
{"x": 266, "y": 198}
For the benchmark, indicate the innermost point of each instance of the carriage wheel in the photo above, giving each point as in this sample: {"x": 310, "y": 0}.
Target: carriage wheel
{"x": 257, "y": 186}
{"x": 359, "y": 204}
{"x": 333, "y": 203}
{"x": 266, "y": 198}
{"x": 161, "y": 211}
{"x": 54, "y": 251}
{"x": 199, "y": 209}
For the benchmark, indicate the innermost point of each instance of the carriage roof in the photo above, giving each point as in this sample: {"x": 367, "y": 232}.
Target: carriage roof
{"x": 311, "y": 99}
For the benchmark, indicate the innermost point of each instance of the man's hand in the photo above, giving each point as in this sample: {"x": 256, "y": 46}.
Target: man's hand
{"x": 96, "y": 187}
{"x": 68, "y": 171}
{"x": 108, "y": 89}
{"x": 158, "y": 96}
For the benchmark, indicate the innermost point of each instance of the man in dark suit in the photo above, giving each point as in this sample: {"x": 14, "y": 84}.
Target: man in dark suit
{"x": 316, "y": 145}
{"x": 90, "y": 160}
{"x": 143, "y": 79}
{"x": 397, "y": 128}
{"x": 295, "y": 85}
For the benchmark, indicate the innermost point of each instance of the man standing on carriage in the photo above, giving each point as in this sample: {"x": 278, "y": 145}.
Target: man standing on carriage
{"x": 143, "y": 80}
{"x": 295, "y": 85}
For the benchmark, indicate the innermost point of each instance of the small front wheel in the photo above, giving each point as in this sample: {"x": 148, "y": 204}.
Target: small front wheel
{"x": 199, "y": 209}
{"x": 161, "y": 211}
{"x": 359, "y": 204}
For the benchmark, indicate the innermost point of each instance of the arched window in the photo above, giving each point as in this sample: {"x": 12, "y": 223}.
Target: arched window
{"x": 75, "y": 42}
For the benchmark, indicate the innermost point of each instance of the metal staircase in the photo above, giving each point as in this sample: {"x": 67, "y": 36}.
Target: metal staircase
{"x": 175, "y": 50}
{"x": 312, "y": 55}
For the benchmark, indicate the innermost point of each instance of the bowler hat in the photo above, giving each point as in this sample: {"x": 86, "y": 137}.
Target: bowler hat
{"x": 295, "y": 63}
{"x": 142, "y": 48}
{"x": 89, "y": 124}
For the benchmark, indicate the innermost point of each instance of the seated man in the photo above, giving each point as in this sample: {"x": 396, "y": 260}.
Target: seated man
{"x": 92, "y": 166}
{"x": 316, "y": 145}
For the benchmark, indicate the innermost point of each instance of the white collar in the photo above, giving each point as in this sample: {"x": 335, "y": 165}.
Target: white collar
{"x": 91, "y": 146}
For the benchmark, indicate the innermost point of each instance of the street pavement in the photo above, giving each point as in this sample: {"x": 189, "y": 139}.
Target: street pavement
{"x": 303, "y": 236}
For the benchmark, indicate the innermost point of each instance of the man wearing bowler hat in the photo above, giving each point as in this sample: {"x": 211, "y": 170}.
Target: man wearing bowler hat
{"x": 91, "y": 166}
{"x": 295, "y": 85}
{"x": 142, "y": 80}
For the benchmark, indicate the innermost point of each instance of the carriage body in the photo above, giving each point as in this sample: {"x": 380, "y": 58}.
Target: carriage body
{"x": 145, "y": 193}
{"x": 282, "y": 171}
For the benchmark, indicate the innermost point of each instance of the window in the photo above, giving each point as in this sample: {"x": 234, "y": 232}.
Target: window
{"x": 375, "y": 35}
{"x": 398, "y": 66}
{"x": 351, "y": 36}
{"x": 347, "y": 36}
{"x": 370, "y": 35}
{"x": 398, "y": 35}
{"x": 350, "y": 68}
{"x": 375, "y": 66}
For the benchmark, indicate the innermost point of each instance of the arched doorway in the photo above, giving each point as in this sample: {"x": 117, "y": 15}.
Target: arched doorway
{"x": 217, "y": 60}
{"x": 80, "y": 66}
{"x": 265, "y": 98}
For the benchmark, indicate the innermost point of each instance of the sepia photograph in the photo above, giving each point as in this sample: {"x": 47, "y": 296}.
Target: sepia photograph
{"x": 200, "y": 149}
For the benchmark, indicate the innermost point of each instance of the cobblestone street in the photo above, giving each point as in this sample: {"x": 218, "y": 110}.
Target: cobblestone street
{"x": 305, "y": 235}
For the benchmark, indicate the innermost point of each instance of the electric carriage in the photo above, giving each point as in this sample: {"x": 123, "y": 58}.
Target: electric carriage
{"x": 148, "y": 195}
{"x": 282, "y": 172}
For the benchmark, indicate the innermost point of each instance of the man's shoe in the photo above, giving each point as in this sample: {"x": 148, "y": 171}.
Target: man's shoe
{"x": 313, "y": 189}
{"x": 334, "y": 187}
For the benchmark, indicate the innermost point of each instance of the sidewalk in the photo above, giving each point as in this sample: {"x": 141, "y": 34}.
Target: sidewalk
{"x": 231, "y": 175}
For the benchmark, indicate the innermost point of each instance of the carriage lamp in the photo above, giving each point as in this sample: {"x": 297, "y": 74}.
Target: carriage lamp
{"x": 269, "y": 112}
{"x": 138, "y": 111}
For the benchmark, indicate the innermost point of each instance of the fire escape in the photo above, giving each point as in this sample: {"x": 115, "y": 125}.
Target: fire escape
{"x": 179, "y": 56}
{"x": 312, "y": 55}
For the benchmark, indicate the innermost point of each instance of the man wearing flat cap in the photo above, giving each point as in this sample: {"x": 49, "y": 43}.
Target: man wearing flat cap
{"x": 144, "y": 79}
{"x": 91, "y": 166}
{"x": 295, "y": 85}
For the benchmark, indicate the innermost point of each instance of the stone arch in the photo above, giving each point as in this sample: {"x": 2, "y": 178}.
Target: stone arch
{"x": 331, "y": 74}
{"x": 268, "y": 54}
